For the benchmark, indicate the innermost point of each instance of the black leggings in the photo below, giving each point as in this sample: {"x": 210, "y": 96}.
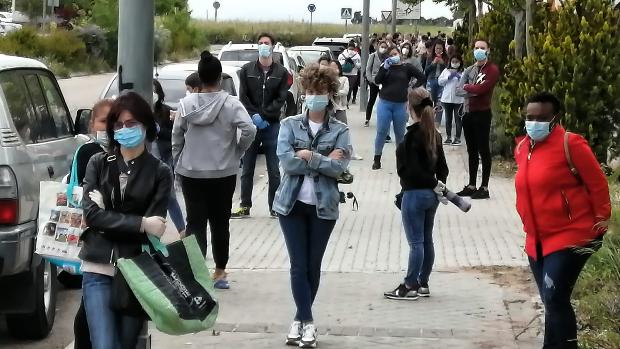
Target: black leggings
{"x": 353, "y": 81}
{"x": 209, "y": 200}
{"x": 452, "y": 113}
{"x": 374, "y": 92}
{"x": 477, "y": 129}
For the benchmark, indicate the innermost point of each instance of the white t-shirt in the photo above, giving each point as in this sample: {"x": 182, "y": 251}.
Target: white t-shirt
{"x": 307, "y": 195}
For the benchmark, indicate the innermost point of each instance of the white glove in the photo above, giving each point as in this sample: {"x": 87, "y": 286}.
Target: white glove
{"x": 444, "y": 200}
{"x": 440, "y": 188}
{"x": 155, "y": 225}
{"x": 96, "y": 197}
{"x": 169, "y": 237}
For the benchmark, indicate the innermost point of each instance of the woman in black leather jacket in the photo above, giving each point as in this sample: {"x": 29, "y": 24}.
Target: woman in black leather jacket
{"x": 118, "y": 222}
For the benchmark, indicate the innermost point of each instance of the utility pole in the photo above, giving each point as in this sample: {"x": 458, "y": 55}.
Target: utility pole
{"x": 365, "y": 51}
{"x": 135, "y": 46}
{"x": 394, "y": 6}
{"x": 13, "y": 8}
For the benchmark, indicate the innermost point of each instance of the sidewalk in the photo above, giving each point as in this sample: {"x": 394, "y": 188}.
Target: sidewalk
{"x": 482, "y": 296}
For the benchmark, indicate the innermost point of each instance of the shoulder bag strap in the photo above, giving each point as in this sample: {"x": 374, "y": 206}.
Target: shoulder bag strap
{"x": 569, "y": 159}
{"x": 73, "y": 179}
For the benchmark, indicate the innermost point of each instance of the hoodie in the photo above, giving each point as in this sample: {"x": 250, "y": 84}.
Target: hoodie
{"x": 211, "y": 133}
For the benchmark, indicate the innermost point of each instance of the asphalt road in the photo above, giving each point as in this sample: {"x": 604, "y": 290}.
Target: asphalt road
{"x": 80, "y": 92}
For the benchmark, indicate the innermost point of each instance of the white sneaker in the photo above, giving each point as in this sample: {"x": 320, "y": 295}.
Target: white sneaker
{"x": 294, "y": 334}
{"x": 308, "y": 338}
{"x": 356, "y": 157}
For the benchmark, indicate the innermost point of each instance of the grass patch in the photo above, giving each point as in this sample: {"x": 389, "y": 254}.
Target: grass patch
{"x": 597, "y": 292}
{"x": 506, "y": 168}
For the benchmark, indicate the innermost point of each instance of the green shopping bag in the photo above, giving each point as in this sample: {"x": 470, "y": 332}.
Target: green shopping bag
{"x": 173, "y": 286}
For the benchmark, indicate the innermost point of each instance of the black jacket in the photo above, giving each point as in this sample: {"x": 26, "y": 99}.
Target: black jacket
{"x": 396, "y": 80}
{"x": 146, "y": 194}
{"x": 263, "y": 96}
{"x": 164, "y": 137}
{"x": 415, "y": 169}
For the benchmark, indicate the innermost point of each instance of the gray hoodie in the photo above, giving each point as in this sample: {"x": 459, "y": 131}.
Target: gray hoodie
{"x": 205, "y": 136}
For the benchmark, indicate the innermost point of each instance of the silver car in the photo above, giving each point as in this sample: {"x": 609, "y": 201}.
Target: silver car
{"x": 36, "y": 143}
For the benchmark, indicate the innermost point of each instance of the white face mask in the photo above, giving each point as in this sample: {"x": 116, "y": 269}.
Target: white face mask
{"x": 382, "y": 50}
{"x": 405, "y": 51}
{"x": 102, "y": 138}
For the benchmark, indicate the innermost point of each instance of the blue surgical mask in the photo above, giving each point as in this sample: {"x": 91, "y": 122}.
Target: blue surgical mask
{"x": 317, "y": 102}
{"x": 395, "y": 59}
{"x": 480, "y": 54}
{"x": 129, "y": 137}
{"x": 264, "y": 50}
{"x": 538, "y": 130}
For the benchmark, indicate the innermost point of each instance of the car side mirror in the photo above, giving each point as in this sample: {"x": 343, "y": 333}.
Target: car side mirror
{"x": 82, "y": 121}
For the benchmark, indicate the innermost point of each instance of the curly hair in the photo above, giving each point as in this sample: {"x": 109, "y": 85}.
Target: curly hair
{"x": 318, "y": 79}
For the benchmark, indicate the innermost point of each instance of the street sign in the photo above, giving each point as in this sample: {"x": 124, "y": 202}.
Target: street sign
{"x": 346, "y": 13}
{"x": 386, "y": 16}
{"x": 312, "y": 7}
{"x": 406, "y": 11}
{"x": 216, "y": 5}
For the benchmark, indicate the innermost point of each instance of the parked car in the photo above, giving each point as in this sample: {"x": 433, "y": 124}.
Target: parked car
{"x": 172, "y": 79}
{"x": 37, "y": 143}
{"x": 240, "y": 54}
{"x": 7, "y": 27}
{"x": 336, "y": 45}
{"x": 356, "y": 36}
{"x": 311, "y": 54}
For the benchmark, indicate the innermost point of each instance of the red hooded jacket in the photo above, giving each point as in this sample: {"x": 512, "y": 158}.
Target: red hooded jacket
{"x": 558, "y": 209}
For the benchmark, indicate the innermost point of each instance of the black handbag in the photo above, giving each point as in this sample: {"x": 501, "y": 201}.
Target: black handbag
{"x": 345, "y": 178}
{"x": 398, "y": 200}
{"x": 122, "y": 299}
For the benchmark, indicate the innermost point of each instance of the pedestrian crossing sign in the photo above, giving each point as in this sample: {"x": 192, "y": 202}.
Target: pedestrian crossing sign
{"x": 346, "y": 13}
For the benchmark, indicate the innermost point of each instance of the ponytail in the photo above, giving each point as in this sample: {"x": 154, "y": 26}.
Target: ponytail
{"x": 420, "y": 102}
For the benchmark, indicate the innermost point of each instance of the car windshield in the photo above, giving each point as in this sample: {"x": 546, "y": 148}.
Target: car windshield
{"x": 247, "y": 56}
{"x": 310, "y": 56}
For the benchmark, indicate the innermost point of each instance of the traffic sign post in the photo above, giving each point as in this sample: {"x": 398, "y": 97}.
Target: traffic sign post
{"x": 311, "y": 9}
{"x": 216, "y": 6}
{"x": 346, "y": 13}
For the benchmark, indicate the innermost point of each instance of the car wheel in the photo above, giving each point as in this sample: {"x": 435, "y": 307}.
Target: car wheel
{"x": 38, "y": 324}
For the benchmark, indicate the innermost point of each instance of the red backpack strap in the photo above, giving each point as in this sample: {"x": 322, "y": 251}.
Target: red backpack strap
{"x": 569, "y": 159}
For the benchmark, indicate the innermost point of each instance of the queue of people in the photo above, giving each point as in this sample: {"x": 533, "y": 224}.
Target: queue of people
{"x": 128, "y": 191}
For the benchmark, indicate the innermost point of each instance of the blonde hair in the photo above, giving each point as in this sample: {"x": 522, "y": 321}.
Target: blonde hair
{"x": 420, "y": 103}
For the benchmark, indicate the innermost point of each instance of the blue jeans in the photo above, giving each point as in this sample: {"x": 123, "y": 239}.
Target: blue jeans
{"x": 108, "y": 330}
{"x": 268, "y": 138}
{"x": 418, "y": 211}
{"x": 390, "y": 113}
{"x": 556, "y": 275}
{"x": 306, "y": 238}
{"x": 436, "y": 91}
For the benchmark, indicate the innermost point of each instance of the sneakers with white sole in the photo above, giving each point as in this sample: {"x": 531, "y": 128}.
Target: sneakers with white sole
{"x": 294, "y": 334}
{"x": 308, "y": 337}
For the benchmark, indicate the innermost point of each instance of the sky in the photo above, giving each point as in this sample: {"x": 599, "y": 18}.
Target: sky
{"x": 327, "y": 11}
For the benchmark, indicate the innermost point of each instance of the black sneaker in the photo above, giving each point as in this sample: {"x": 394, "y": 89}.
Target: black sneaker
{"x": 366, "y": 123}
{"x": 457, "y": 142}
{"x": 402, "y": 292}
{"x": 376, "y": 165}
{"x": 273, "y": 214}
{"x": 241, "y": 212}
{"x": 388, "y": 139}
{"x": 448, "y": 141}
{"x": 424, "y": 291}
{"x": 467, "y": 191}
{"x": 480, "y": 194}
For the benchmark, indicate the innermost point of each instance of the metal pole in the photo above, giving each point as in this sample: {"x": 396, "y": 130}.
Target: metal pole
{"x": 310, "y": 21}
{"x": 135, "y": 46}
{"x": 13, "y": 7}
{"x": 365, "y": 50}
{"x": 346, "y": 24}
{"x": 394, "y": 6}
{"x": 216, "y": 15}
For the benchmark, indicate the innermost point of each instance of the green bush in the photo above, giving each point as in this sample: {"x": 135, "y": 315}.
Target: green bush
{"x": 24, "y": 42}
{"x": 63, "y": 46}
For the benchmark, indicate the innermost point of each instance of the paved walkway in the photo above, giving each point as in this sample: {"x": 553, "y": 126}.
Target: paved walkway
{"x": 367, "y": 255}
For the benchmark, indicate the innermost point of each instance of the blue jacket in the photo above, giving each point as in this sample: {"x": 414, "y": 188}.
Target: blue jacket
{"x": 294, "y": 136}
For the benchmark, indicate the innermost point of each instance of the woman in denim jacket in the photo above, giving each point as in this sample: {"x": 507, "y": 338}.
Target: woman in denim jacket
{"x": 314, "y": 150}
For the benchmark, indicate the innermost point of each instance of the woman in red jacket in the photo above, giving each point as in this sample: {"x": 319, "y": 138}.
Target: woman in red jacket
{"x": 563, "y": 200}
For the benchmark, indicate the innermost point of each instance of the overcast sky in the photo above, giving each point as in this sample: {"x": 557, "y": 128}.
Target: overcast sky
{"x": 326, "y": 10}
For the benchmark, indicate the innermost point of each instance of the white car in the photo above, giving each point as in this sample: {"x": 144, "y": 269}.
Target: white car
{"x": 240, "y": 54}
{"x": 172, "y": 79}
{"x": 311, "y": 54}
{"x": 337, "y": 45}
{"x": 7, "y": 27}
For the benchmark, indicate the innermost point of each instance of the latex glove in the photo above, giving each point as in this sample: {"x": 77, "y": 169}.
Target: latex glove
{"x": 96, "y": 197}
{"x": 155, "y": 225}
{"x": 453, "y": 75}
{"x": 387, "y": 63}
{"x": 443, "y": 199}
{"x": 259, "y": 122}
{"x": 169, "y": 237}
{"x": 440, "y": 188}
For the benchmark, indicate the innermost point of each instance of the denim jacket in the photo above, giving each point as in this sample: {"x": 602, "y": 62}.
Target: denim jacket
{"x": 295, "y": 135}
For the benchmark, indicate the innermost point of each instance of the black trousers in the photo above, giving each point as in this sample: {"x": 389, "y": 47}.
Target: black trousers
{"x": 353, "y": 86}
{"x": 477, "y": 129}
{"x": 452, "y": 113}
{"x": 209, "y": 201}
{"x": 374, "y": 92}
{"x": 81, "y": 332}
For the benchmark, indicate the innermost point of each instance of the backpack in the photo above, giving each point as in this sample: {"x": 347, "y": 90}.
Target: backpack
{"x": 348, "y": 66}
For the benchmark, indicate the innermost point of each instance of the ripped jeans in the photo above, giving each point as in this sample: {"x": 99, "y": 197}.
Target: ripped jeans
{"x": 556, "y": 275}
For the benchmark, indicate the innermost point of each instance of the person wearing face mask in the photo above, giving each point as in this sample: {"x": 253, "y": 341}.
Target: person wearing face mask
{"x": 435, "y": 65}
{"x": 206, "y": 152}
{"x": 395, "y": 78}
{"x": 564, "y": 204}
{"x": 263, "y": 89}
{"x": 423, "y": 170}
{"x": 314, "y": 150}
{"x": 375, "y": 61}
{"x": 351, "y": 63}
{"x": 97, "y": 128}
{"x": 452, "y": 103}
{"x": 409, "y": 57}
{"x": 477, "y": 85}
{"x": 126, "y": 197}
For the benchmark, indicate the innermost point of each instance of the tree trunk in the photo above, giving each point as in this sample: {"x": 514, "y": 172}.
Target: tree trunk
{"x": 519, "y": 38}
{"x": 529, "y": 19}
{"x": 480, "y": 7}
{"x": 471, "y": 12}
